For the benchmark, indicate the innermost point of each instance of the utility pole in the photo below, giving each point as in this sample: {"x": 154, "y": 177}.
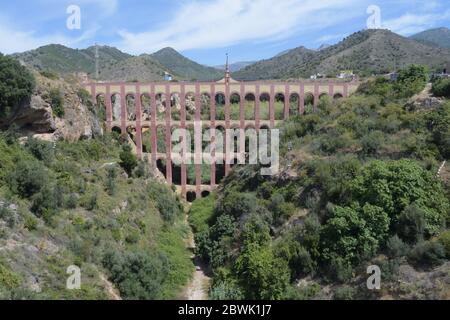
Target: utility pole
{"x": 97, "y": 56}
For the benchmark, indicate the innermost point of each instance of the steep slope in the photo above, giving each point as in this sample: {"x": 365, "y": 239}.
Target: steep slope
{"x": 62, "y": 59}
{"x": 142, "y": 68}
{"x": 234, "y": 67}
{"x": 185, "y": 68}
{"x": 439, "y": 37}
{"x": 365, "y": 52}
{"x": 277, "y": 67}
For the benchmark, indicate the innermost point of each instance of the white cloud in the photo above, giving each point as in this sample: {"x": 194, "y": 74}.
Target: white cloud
{"x": 410, "y": 23}
{"x": 12, "y": 41}
{"x": 220, "y": 23}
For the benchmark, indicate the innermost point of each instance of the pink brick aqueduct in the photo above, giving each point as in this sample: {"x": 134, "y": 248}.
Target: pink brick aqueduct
{"x": 226, "y": 88}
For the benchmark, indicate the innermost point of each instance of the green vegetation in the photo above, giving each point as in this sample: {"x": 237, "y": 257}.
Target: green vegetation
{"x": 441, "y": 87}
{"x": 363, "y": 183}
{"x": 16, "y": 84}
{"x": 75, "y": 205}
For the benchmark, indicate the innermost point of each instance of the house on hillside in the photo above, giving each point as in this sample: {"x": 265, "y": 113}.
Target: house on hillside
{"x": 346, "y": 74}
{"x": 168, "y": 76}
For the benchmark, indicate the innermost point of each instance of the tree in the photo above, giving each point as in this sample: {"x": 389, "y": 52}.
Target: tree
{"x": 16, "y": 84}
{"x": 411, "y": 81}
{"x": 354, "y": 233}
{"x": 128, "y": 161}
{"x": 28, "y": 178}
{"x": 394, "y": 185}
{"x": 263, "y": 276}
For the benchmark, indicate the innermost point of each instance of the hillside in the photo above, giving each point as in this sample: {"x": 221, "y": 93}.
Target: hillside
{"x": 61, "y": 59}
{"x": 439, "y": 37}
{"x": 358, "y": 187}
{"x": 185, "y": 68}
{"x": 69, "y": 197}
{"x": 141, "y": 68}
{"x": 365, "y": 52}
{"x": 234, "y": 67}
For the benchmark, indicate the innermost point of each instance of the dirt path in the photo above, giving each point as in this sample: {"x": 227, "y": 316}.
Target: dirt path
{"x": 110, "y": 288}
{"x": 198, "y": 288}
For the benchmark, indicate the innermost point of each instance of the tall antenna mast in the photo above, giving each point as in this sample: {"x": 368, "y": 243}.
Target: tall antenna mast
{"x": 96, "y": 61}
{"x": 227, "y": 72}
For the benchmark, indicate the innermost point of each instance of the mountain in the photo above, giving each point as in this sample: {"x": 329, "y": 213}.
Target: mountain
{"x": 366, "y": 52}
{"x": 141, "y": 68}
{"x": 185, "y": 68}
{"x": 439, "y": 37}
{"x": 234, "y": 67}
{"x": 61, "y": 59}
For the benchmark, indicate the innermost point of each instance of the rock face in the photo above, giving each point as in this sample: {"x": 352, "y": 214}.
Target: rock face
{"x": 35, "y": 116}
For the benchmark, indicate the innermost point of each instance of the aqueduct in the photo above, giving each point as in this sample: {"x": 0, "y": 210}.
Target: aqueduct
{"x": 149, "y": 112}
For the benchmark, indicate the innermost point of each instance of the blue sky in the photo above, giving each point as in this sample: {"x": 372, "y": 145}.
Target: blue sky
{"x": 204, "y": 30}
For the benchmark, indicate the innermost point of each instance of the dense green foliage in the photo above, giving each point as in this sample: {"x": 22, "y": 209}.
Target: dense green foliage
{"x": 16, "y": 84}
{"x": 127, "y": 229}
{"x": 362, "y": 183}
{"x": 441, "y": 87}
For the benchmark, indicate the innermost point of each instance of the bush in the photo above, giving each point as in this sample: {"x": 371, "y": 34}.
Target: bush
{"x": 444, "y": 239}
{"x": 427, "y": 254}
{"x": 168, "y": 205}
{"x": 57, "y": 102}
{"x": 128, "y": 161}
{"x": 111, "y": 175}
{"x": 16, "y": 84}
{"x": 226, "y": 290}
{"x": 344, "y": 293}
{"x": 411, "y": 224}
{"x": 28, "y": 178}
{"x": 41, "y": 150}
{"x": 138, "y": 275}
{"x": 441, "y": 88}
{"x": 396, "y": 247}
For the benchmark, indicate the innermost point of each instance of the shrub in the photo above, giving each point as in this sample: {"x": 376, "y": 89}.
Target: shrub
{"x": 128, "y": 161}
{"x": 444, "y": 239}
{"x": 49, "y": 74}
{"x": 441, "y": 88}
{"x": 226, "y": 290}
{"x": 138, "y": 275}
{"x": 396, "y": 247}
{"x": 16, "y": 84}
{"x": 168, "y": 205}
{"x": 41, "y": 150}
{"x": 45, "y": 203}
{"x": 57, "y": 101}
{"x": 427, "y": 254}
{"x": 411, "y": 224}
{"x": 111, "y": 175}
{"x": 28, "y": 178}
{"x": 344, "y": 293}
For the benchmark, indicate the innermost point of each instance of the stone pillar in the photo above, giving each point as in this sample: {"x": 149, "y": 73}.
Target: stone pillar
{"x": 168, "y": 118}
{"x": 213, "y": 135}
{"x": 109, "y": 117}
{"x": 154, "y": 134}
{"x": 316, "y": 96}
{"x": 257, "y": 108}
{"x": 137, "y": 101}
{"x": 345, "y": 90}
{"x": 227, "y": 152}
{"x": 331, "y": 90}
{"x": 302, "y": 100}
{"x": 242, "y": 126}
{"x": 198, "y": 142}
{"x": 287, "y": 102}
{"x": 185, "y": 146}
{"x": 272, "y": 106}
{"x": 93, "y": 94}
{"x": 123, "y": 108}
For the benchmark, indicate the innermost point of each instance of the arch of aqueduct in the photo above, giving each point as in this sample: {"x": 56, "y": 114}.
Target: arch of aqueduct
{"x": 148, "y": 121}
